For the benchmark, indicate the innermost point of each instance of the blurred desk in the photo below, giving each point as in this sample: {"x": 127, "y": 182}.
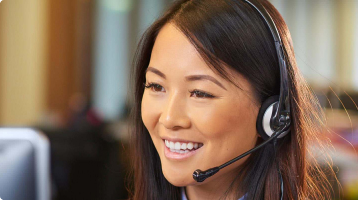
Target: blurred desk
{"x": 86, "y": 163}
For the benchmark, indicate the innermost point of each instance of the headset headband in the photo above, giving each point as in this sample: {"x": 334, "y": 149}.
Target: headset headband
{"x": 281, "y": 114}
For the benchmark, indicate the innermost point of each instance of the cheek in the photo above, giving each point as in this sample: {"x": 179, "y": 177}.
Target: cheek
{"x": 149, "y": 112}
{"x": 227, "y": 120}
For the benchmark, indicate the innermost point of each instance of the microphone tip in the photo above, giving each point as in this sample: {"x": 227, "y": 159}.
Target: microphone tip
{"x": 200, "y": 176}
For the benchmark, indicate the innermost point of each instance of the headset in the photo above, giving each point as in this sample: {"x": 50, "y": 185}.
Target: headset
{"x": 274, "y": 117}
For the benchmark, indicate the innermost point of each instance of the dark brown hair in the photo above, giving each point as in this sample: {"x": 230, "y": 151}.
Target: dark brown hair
{"x": 231, "y": 33}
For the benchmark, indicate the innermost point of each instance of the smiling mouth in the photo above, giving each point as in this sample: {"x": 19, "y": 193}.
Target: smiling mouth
{"x": 182, "y": 147}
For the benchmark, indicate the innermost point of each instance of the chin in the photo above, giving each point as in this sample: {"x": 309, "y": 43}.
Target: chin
{"x": 178, "y": 179}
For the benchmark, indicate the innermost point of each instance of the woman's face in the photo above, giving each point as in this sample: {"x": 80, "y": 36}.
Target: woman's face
{"x": 196, "y": 118}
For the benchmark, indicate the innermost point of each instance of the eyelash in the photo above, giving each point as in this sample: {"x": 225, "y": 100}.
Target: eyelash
{"x": 196, "y": 92}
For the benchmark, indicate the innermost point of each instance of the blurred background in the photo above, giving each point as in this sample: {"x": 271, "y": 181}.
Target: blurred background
{"x": 64, "y": 69}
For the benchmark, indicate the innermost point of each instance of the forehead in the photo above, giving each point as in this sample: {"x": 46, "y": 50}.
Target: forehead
{"x": 173, "y": 51}
{"x": 174, "y": 55}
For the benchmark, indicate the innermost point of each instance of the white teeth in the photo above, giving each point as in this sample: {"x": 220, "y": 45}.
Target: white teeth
{"x": 177, "y": 146}
{"x": 189, "y": 146}
{"x": 195, "y": 145}
{"x": 183, "y": 146}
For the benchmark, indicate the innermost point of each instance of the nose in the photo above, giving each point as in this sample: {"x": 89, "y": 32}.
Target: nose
{"x": 174, "y": 114}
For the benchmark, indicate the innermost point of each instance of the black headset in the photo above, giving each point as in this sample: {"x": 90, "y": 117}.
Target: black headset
{"x": 274, "y": 118}
{"x": 274, "y": 113}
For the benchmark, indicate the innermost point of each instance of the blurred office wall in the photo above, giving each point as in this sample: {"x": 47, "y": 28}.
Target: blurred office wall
{"x": 324, "y": 35}
{"x": 23, "y": 59}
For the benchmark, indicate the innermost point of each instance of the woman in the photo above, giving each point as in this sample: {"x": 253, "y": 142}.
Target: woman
{"x": 202, "y": 72}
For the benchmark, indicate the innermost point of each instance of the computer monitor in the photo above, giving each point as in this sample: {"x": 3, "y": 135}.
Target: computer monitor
{"x": 24, "y": 165}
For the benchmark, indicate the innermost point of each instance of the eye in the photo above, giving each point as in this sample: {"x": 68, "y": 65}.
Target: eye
{"x": 200, "y": 94}
{"x": 155, "y": 87}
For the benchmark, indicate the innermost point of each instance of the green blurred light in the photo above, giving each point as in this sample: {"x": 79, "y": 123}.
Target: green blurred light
{"x": 118, "y": 5}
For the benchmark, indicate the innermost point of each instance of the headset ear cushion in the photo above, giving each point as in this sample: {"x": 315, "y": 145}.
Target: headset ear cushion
{"x": 263, "y": 119}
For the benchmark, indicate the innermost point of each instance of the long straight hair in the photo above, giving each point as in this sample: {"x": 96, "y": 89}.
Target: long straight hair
{"x": 230, "y": 33}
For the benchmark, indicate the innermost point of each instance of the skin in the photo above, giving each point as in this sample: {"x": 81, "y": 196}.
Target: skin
{"x": 225, "y": 124}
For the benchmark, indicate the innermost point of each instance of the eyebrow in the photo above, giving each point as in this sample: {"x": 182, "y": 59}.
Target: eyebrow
{"x": 188, "y": 78}
{"x": 155, "y": 71}
{"x": 204, "y": 77}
